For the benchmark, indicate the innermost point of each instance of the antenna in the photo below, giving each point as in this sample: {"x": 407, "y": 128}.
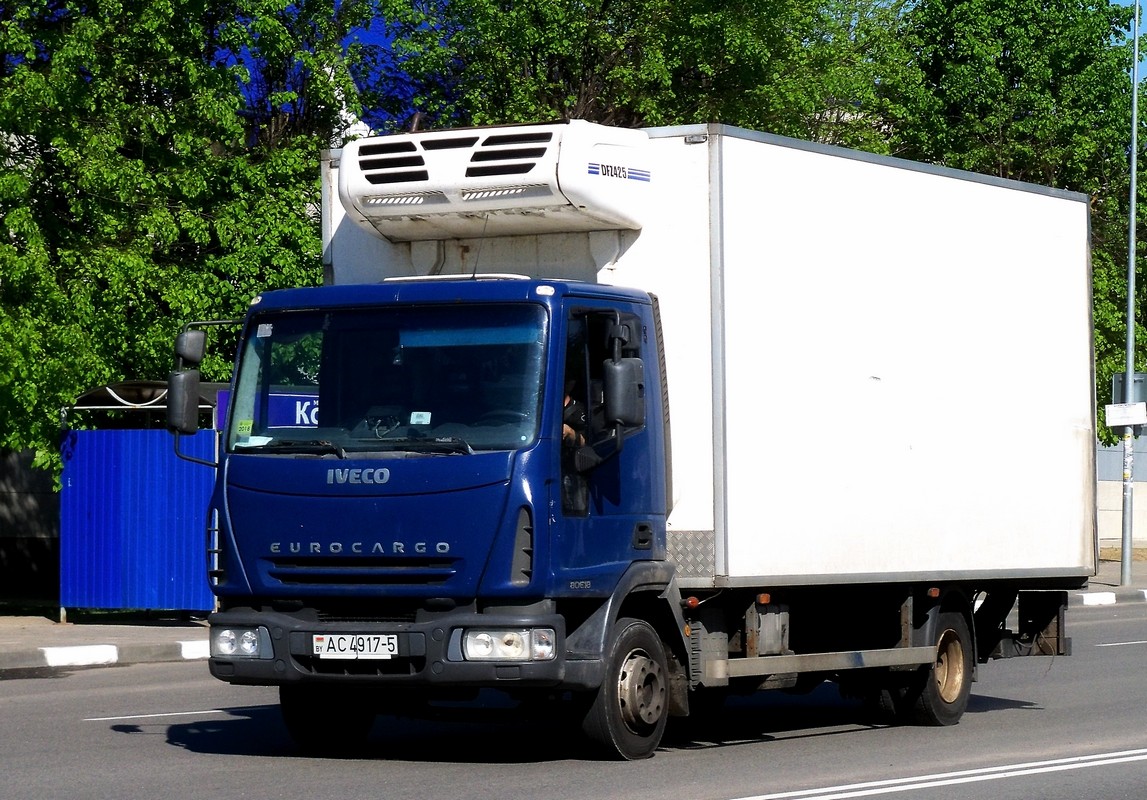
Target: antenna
{"x": 481, "y": 241}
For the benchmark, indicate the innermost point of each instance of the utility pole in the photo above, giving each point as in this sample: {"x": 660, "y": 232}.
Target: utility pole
{"x": 1129, "y": 373}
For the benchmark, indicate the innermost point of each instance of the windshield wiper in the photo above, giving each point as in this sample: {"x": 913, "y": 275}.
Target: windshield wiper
{"x": 459, "y": 445}
{"x": 436, "y": 444}
{"x": 304, "y": 446}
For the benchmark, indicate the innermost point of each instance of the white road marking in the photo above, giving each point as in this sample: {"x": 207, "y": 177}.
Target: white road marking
{"x": 204, "y": 713}
{"x": 954, "y": 778}
{"x": 1121, "y": 644}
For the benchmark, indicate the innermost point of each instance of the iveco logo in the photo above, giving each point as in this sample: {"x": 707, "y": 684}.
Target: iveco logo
{"x": 358, "y": 476}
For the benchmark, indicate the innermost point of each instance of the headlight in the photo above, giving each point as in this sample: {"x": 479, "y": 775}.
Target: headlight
{"x": 536, "y": 644}
{"x": 241, "y": 643}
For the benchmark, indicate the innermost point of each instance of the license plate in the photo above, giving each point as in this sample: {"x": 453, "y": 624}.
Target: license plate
{"x": 355, "y": 645}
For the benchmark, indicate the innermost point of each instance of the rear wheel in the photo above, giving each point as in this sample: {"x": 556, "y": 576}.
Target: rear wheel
{"x": 628, "y": 712}
{"x": 938, "y": 695}
{"x": 325, "y": 721}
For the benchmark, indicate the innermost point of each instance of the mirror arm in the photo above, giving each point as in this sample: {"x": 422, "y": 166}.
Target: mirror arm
{"x": 590, "y": 456}
{"x": 193, "y": 459}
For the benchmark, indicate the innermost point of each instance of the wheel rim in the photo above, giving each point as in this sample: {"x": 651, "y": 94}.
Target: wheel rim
{"x": 641, "y": 691}
{"x": 950, "y": 668}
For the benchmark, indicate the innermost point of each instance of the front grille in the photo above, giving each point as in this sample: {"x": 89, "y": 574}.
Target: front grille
{"x": 366, "y": 668}
{"x": 392, "y": 609}
{"x": 361, "y": 571}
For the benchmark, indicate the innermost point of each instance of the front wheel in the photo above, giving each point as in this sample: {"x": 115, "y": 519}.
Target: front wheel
{"x": 628, "y": 712}
{"x": 938, "y": 695}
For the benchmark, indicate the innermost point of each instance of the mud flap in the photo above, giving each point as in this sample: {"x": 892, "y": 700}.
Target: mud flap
{"x": 1042, "y": 628}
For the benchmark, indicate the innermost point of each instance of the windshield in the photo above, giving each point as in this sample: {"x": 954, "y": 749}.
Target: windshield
{"x": 431, "y": 379}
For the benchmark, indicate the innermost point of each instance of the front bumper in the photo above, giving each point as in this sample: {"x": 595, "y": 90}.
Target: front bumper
{"x": 429, "y": 652}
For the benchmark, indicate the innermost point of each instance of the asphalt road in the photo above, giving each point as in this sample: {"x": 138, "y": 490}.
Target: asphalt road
{"x": 1047, "y": 728}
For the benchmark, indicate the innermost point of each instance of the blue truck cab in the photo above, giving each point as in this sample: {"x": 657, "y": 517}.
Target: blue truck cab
{"x": 430, "y": 487}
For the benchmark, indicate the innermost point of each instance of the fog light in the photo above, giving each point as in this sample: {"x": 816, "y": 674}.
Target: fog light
{"x": 542, "y": 645}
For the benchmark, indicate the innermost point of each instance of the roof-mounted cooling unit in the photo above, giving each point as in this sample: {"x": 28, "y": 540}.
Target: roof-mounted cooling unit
{"x": 525, "y": 179}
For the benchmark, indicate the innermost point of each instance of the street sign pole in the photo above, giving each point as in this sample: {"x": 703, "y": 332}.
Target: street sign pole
{"x": 1128, "y": 383}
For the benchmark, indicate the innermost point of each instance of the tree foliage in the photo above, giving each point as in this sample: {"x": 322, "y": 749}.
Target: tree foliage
{"x": 158, "y": 163}
{"x": 159, "y": 158}
{"x": 798, "y": 67}
{"x": 1025, "y": 89}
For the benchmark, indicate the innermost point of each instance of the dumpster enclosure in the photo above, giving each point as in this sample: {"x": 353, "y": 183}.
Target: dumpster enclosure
{"x": 132, "y": 514}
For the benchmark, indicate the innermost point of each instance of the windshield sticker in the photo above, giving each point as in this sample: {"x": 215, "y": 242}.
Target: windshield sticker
{"x": 243, "y": 427}
{"x": 419, "y": 417}
{"x": 265, "y": 330}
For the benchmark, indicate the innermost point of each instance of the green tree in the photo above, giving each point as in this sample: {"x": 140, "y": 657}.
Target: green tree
{"x": 496, "y": 61}
{"x": 158, "y": 163}
{"x": 810, "y": 69}
{"x": 1025, "y": 89}
{"x": 797, "y": 67}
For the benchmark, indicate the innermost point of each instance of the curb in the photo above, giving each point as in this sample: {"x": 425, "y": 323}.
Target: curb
{"x": 102, "y": 655}
{"x": 1110, "y": 598}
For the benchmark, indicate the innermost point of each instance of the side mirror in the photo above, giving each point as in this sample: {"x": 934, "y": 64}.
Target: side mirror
{"x": 623, "y": 401}
{"x": 190, "y": 347}
{"x": 183, "y": 401}
{"x": 624, "y": 392}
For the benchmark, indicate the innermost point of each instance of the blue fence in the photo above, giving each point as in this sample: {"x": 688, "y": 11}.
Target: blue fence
{"x": 132, "y": 521}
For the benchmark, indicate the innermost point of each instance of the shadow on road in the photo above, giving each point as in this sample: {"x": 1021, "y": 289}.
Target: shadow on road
{"x": 493, "y": 733}
{"x": 978, "y": 704}
{"x": 478, "y": 735}
{"x": 499, "y": 733}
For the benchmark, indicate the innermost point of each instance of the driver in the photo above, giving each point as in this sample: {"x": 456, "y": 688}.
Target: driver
{"x": 573, "y": 420}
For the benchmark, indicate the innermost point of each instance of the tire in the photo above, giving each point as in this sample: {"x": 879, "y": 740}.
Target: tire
{"x": 938, "y": 695}
{"x": 325, "y": 721}
{"x": 627, "y": 714}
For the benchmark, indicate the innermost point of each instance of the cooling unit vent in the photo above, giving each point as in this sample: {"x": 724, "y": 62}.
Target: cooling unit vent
{"x": 497, "y": 181}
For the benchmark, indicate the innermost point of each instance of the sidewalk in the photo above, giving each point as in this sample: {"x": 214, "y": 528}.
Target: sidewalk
{"x": 38, "y": 643}
{"x": 1104, "y": 588}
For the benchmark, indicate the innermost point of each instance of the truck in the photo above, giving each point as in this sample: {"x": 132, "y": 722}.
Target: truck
{"x": 619, "y": 423}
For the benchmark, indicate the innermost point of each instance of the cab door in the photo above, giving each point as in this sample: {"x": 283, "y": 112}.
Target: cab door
{"x": 609, "y": 499}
